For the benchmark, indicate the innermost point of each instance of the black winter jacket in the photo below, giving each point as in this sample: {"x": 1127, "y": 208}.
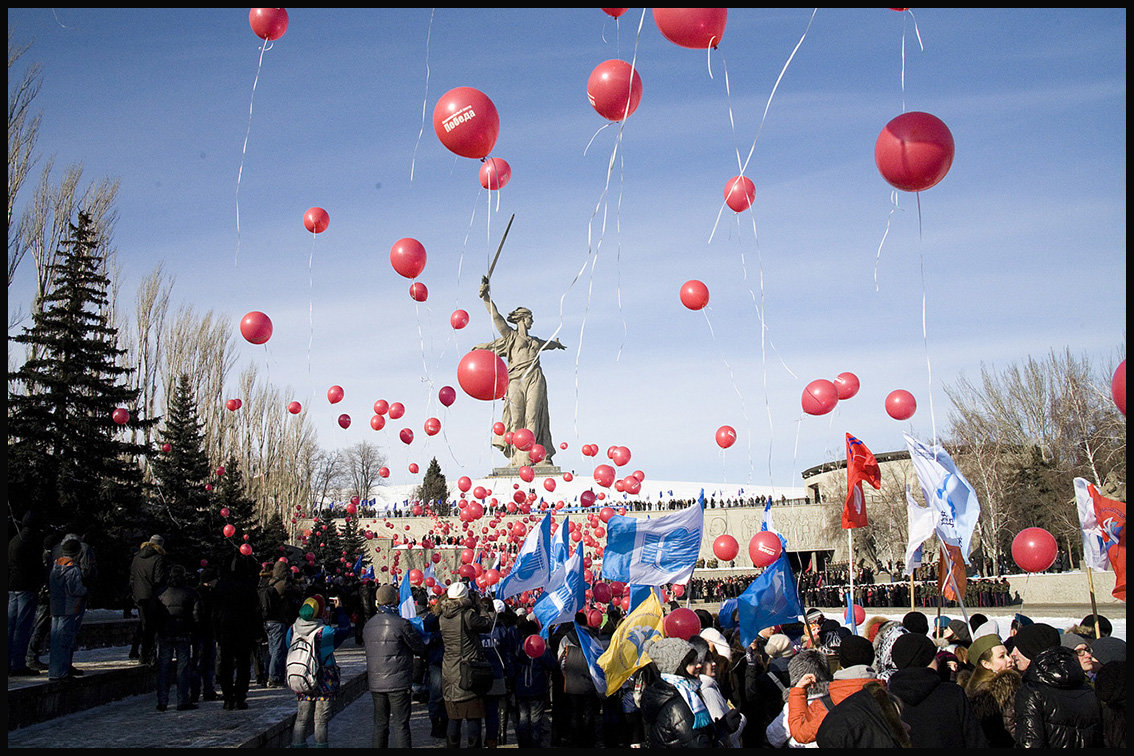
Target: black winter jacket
{"x": 866, "y": 719}
{"x": 1055, "y": 708}
{"x": 938, "y": 712}
{"x": 180, "y": 612}
{"x": 669, "y": 720}
{"x": 148, "y": 572}
{"x": 391, "y": 643}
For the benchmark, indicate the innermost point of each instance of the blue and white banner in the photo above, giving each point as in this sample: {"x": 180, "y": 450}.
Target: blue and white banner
{"x": 532, "y": 568}
{"x": 565, "y": 594}
{"x": 407, "y": 608}
{"x": 592, "y": 650}
{"x": 560, "y": 545}
{"x": 947, "y": 491}
{"x": 920, "y": 522}
{"x": 653, "y": 552}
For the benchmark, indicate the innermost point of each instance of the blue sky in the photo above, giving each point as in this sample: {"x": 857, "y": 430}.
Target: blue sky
{"x": 1019, "y": 250}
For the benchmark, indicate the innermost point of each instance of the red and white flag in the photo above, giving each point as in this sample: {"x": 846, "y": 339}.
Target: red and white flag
{"x": 861, "y": 467}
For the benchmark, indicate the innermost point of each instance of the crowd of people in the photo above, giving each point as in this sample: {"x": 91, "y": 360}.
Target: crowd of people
{"x": 487, "y": 675}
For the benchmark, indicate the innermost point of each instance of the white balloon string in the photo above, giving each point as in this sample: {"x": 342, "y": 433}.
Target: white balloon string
{"x": 425, "y": 99}
{"x": 244, "y": 150}
{"x": 924, "y": 329}
{"x": 889, "y": 218}
{"x": 310, "y": 308}
{"x": 731, "y": 375}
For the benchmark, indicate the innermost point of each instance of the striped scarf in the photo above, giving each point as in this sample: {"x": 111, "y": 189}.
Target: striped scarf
{"x": 688, "y": 689}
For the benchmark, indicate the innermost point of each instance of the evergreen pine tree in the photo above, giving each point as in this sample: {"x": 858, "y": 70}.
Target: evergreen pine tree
{"x": 230, "y": 496}
{"x": 180, "y": 477}
{"x": 354, "y": 544}
{"x": 67, "y": 457}
{"x": 433, "y": 487}
{"x": 325, "y": 541}
{"x": 274, "y": 537}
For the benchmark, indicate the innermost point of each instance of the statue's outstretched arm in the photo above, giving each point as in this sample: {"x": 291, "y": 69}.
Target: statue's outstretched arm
{"x": 497, "y": 320}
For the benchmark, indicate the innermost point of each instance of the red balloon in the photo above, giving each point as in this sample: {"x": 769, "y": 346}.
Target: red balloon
{"x": 418, "y": 292}
{"x": 847, "y": 385}
{"x": 601, "y": 592}
{"x": 464, "y": 483}
{"x": 229, "y": 530}
{"x": 694, "y": 295}
{"x": 256, "y": 327}
{"x": 549, "y": 484}
{"x": 523, "y": 439}
{"x": 1034, "y": 549}
{"x": 614, "y": 12}
{"x": 587, "y": 498}
{"x": 245, "y": 549}
{"x": 447, "y": 395}
{"x": 408, "y": 257}
{"x": 594, "y": 618}
{"x": 764, "y": 548}
{"x": 335, "y": 394}
{"x": 268, "y": 23}
{"x": 406, "y": 436}
{"x": 537, "y": 453}
{"x": 820, "y": 397}
{"x": 740, "y": 193}
{"x": 432, "y": 426}
{"x": 498, "y": 428}
{"x": 459, "y": 319}
{"x": 344, "y": 420}
{"x": 233, "y": 405}
{"x": 527, "y": 474}
{"x": 384, "y": 472}
{"x": 696, "y": 28}
{"x": 316, "y": 220}
{"x": 631, "y": 485}
{"x": 1118, "y": 387}
{"x": 120, "y": 415}
{"x": 614, "y": 89}
{"x": 381, "y": 407}
{"x": 377, "y": 422}
{"x": 726, "y": 436}
{"x": 483, "y": 375}
{"x": 413, "y": 470}
{"x": 294, "y": 407}
{"x": 534, "y": 646}
{"x": 415, "y": 576}
{"x": 604, "y": 475}
{"x": 605, "y": 514}
{"x": 725, "y": 548}
{"x": 900, "y": 404}
{"x": 914, "y": 151}
{"x": 466, "y": 122}
{"x": 495, "y": 173}
{"x": 859, "y": 616}
{"x": 167, "y": 447}
{"x": 221, "y": 471}
{"x": 681, "y": 623}
{"x": 397, "y": 409}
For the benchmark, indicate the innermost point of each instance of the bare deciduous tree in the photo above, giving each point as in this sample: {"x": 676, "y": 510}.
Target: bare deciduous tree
{"x": 363, "y": 461}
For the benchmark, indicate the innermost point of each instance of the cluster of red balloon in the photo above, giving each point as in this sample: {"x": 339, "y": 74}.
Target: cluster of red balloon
{"x": 233, "y": 405}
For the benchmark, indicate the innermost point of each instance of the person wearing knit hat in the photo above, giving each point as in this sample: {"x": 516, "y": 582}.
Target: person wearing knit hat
{"x": 309, "y": 610}
{"x": 315, "y": 706}
{"x": 779, "y": 645}
{"x": 674, "y": 714}
{"x": 1108, "y": 649}
{"x": 387, "y": 595}
{"x": 958, "y": 632}
{"x": 937, "y": 710}
{"x": 68, "y": 601}
{"x": 391, "y": 643}
{"x": 916, "y": 622}
{"x": 1055, "y": 706}
{"x": 462, "y": 618}
{"x": 719, "y": 643}
{"x": 457, "y": 591}
{"x": 1031, "y": 640}
{"x": 855, "y": 651}
{"x": 808, "y": 673}
{"x": 157, "y": 540}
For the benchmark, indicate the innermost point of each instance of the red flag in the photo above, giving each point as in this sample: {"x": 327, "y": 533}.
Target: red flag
{"x": 861, "y": 466}
{"x": 1111, "y": 517}
{"x": 945, "y": 582}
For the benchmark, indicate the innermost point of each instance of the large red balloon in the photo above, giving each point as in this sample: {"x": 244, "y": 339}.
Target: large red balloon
{"x": 681, "y": 623}
{"x": 483, "y": 375}
{"x": 268, "y": 23}
{"x": 256, "y": 327}
{"x": 614, "y": 89}
{"x": 1034, "y": 549}
{"x": 859, "y": 615}
{"x": 739, "y": 193}
{"x": 914, "y": 151}
{"x": 696, "y": 28}
{"x": 819, "y": 397}
{"x": 620, "y": 455}
{"x": 694, "y": 295}
{"x": 726, "y": 436}
{"x": 764, "y": 548}
{"x": 316, "y": 220}
{"x": 335, "y": 394}
{"x": 495, "y": 174}
{"x": 408, "y": 257}
{"x": 725, "y": 547}
{"x": 466, "y": 122}
{"x": 523, "y": 439}
{"x": 847, "y": 385}
{"x": 120, "y": 415}
{"x": 900, "y": 404}
{"x": 1118, "y": 387}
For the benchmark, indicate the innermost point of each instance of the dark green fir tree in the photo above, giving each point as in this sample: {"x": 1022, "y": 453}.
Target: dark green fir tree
{"x": 233, "y": 504}
{"x": 325, "y": 541}
{"x": 353, "y": 540}
{"x": 433, "y": 491}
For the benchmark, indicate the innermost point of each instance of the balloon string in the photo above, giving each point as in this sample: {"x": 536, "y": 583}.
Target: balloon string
{"x": 732, "y": 378}
{"x": 244, "y": 150}
{"x": 310, "y": 309}
{"x": 425, "y": 99}
{"x": 886, "y": 233}
{"x": 924, "y": 329}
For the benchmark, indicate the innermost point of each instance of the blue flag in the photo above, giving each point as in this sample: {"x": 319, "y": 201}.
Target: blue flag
{"x": 728, "y": 607}
{"x": 560, "y": 546}
{"x": 772, "y": 599}
{"x": 947, "y": 491}
{"x": 358, "y": 563}
{"x": 591, "y": 652}
{"x": 639, "y": 593}
{"x": 654, "y": 552}
{"x": 407, "y": 608}
{"x": 564, "y": 595}
{"x": 532, "y": 568}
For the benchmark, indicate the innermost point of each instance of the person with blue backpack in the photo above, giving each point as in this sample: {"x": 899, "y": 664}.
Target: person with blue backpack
{"x": 311, "y": 670}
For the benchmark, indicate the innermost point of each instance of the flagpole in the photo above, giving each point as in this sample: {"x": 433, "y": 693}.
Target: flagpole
{"x": 850, "y": 562}
{"x": 1094, "y": 608}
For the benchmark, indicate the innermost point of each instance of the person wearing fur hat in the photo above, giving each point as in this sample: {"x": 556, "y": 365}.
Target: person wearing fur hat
{"x": 808, "y": 672}
{"x": 673, "y": 712}
{"x": 992, "y": 689}
{"x": 884, "y": 642}
{"x": 806, "y": 712}
{"x": 1055, "y": 706}
{"x": 391, "y": 643}
{"x": 462, "y": 617}
{"x": 937, "y": 711}
{"x": 314, "y": 709}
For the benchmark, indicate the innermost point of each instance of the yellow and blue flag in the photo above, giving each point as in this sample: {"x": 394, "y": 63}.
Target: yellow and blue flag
{"x": 627, "y": 651}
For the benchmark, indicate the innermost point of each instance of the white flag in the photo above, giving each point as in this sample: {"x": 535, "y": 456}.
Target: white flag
{"x": 921, "y": 521}
{"x": 946, "y": 490}
{"x": 1094, "y": 555}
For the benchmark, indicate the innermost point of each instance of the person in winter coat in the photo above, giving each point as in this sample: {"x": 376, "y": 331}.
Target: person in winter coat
{"x": 68, "y": 603}
{"x": 203, "y": 679}
{"x": 434, "y": 657}
{"x": 499, "y": 645}
{"x": 280, "y": 599}
{"x": 806, "y": 712}
{"x": 730, "y": 722}
{"x": 238, "y": 626}
{"x": 937, "y": 711}
{"x": 992, "y": 689}
{"x": 870, "y": 718}
{"x": 1110, "y": 687}
{"x": 149, "y": 571}
{"x": 314, "y": 708}
{"x": 178, "y": 620}
{"x": 26, "y": 576}
{"x": 579, "y": 689}
{"x": 884, "y": 642}
{"x": 391, "y": 643}
{"x": 1055, "y": 707}
{"x": 462, "y": 618}
{"x": 673, "y": 712}
{"x": 809, "y": 672}
{"x": 532, "y": 685}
